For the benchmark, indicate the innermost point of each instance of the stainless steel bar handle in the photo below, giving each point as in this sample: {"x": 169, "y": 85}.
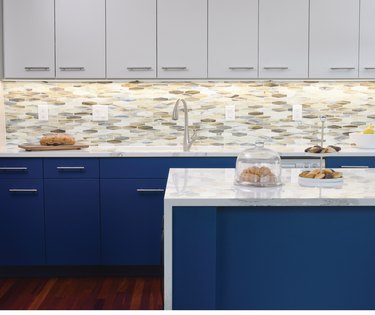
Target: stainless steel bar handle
{"x": 342, "y": 68}
{"x": 72, "y": 68}
{"x": 174, "y": 68}
{"x": 70, "y": 168}
{"x": 37, "y": 68}
{"x": 241, "y": 68}
{"x": 291, "y": 165}
{"x": 369, "y": 68}
{"x": 150, "y": 190}
{"x": 354, "y": 166}
{"x": 139, "y": 68}
{"x": 17, "y": 190}
{"x": 275, "y": 68}
{"x": 13, "y": 168}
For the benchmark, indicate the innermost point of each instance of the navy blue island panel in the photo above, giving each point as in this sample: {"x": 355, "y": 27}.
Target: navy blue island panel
{"x": 266, "y": 258}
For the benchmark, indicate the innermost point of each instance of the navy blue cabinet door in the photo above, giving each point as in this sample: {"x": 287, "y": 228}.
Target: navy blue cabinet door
{"x": 72, "y": 221}
{"x": 21, "y": 222}
{"x": 348, "y": 162}
{"x": 132, "y": 211}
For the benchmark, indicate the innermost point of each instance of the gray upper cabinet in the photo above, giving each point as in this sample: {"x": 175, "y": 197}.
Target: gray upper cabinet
{"x": 131, "y": 38}
{"x": 182, "y": 38}
{"x": 80, "y": 39}
{"x": 233, "y": 38}
{"x": 334, "y": 36}
{"x": 283, "y": 38}
{"x": 367, "y": 40}
{"x": 29, "y": 42}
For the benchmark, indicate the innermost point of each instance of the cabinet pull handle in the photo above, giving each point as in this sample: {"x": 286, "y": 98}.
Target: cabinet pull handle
{"x": 13, "y": 169}
{"x": 37, "y": 68}
{"x": 354, "y": 166}
{"x": 289, "y": 165}
{"x": 174, "y": 68}
{"x": 150, "y": 190}
{"x": 16, "y": 190}
{"x": 369, "y": 68}
{"x": 342, "y": 68}
{"x": 275, "y": 68}
{"x": 139, "y": 68}
{"x": 241, "y": 68}
{"x": 70, "y": 168}
{"x": 72, "y": 68}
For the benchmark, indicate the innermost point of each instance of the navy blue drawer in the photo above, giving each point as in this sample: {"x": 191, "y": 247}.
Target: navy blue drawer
{"x": 157, "y": 167}
{"x": 347, "y": 162}
{"x": 71, "y": 168}
{"x": 21, "y": 168}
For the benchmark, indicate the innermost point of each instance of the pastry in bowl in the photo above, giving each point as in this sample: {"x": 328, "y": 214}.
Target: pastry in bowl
{"x": 319, "y": 149}
{"x": 325, "y": 173}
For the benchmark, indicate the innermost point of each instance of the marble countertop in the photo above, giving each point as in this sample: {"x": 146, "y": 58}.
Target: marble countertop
{"x": 214, "y": 187}
{"x": 168, "y": 151}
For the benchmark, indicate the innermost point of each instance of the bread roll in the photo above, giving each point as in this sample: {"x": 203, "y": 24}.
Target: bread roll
{"x": 57, "y": 139}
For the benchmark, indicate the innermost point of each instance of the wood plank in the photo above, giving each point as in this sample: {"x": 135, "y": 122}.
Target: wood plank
{"x": 90, "y": 293}
{"x": 38, "y": 147}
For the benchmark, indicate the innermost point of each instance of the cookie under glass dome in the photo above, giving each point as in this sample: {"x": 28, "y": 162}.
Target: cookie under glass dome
{"x": 258, "y": 166}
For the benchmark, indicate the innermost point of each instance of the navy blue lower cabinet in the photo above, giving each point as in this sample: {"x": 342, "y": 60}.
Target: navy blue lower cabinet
{"x": 274, "y": 258}
{"x": 349, "y": 162}
{"x": 72, "y": 208}
{"x": 132, "y": 212}
{"x": 21, "y": 222}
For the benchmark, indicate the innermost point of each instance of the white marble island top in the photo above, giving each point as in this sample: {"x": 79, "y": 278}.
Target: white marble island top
{"x": 214, "y": 187}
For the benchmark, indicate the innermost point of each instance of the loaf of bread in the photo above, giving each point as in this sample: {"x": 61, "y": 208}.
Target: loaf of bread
{"x": 57, "y": 139}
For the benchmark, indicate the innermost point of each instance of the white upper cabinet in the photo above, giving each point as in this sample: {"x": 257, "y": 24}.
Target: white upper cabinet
{"x": 29, "y": 43}
{"x": 80, "y": 39}
{"x": 283, "y": 38}
{"x": 131, "y": 38}
{"x": 182, "y": 38}
{"x": 233, "y": 38}
{"x": 367, "y": 40}
{"x": 334, "y": 36}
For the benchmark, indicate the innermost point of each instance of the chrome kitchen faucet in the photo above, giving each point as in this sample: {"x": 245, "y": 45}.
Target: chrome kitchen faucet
{"x": 187, "y": 140}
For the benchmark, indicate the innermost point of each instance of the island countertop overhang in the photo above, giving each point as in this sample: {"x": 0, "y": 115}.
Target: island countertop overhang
{"x": 215, "y": 188}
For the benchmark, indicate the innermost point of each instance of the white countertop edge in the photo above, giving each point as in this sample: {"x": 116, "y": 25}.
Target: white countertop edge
{"x": 93, "y": 154}
{"x": 310, "y": 202}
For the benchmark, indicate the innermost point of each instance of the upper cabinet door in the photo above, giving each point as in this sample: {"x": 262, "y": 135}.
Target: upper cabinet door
{"x": 283, "y": 38}
{"x": 29, "y": 42}
{"x": 233, "y": 38}
{"x": 334, "y": 36}
{"x": 182, "y": 38}
{"x": 367, "y": 40}
{"x": 80, "y": 39}
{"x": 131, "y": 38}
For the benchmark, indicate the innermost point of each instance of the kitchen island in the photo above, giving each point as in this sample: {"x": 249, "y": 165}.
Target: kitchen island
{"x": 289, "y": 247}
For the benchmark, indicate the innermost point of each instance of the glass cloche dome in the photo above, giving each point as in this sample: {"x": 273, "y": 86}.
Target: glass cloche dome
{"x": 258, "y": 166}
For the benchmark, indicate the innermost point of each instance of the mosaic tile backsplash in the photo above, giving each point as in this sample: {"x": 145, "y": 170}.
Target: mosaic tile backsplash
{"x": 140, "y": 112}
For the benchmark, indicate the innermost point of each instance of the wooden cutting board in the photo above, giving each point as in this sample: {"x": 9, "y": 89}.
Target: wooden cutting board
{"x": 38, "y": 147}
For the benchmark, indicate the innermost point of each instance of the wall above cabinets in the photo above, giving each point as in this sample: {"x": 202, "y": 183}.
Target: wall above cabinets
{"x": 189, "y": 39}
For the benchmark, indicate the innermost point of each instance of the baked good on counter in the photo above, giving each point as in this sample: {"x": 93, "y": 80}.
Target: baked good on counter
{"x": 325, "y": 173}
{"x": 57, "y": 139}
{"x": 319, "y": 149}
{"x": 255, "y": 174}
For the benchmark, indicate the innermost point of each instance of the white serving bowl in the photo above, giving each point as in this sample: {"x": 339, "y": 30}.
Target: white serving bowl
{"x": 363, "y": 141}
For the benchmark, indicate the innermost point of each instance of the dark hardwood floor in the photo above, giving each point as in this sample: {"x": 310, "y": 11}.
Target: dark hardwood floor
{"x": 94, "y": 293}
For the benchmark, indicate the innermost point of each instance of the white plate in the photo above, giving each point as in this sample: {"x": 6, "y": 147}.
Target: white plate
{"x": 314, "y": 182}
